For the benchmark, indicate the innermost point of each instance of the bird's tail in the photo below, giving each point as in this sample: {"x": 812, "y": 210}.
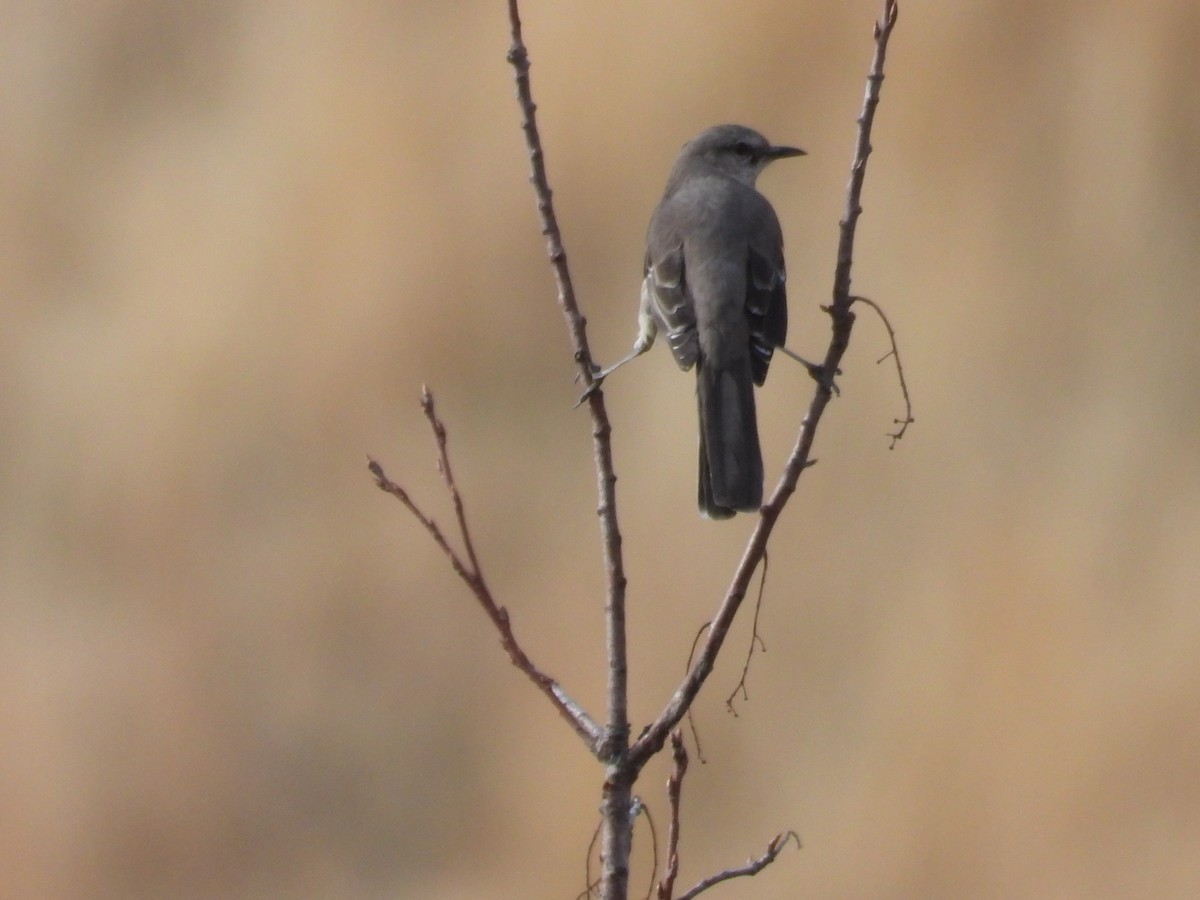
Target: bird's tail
{"x": 731, "y": 468}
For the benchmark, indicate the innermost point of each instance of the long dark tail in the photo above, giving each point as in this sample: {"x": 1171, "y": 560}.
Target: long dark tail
{"x": 731, "y": 468}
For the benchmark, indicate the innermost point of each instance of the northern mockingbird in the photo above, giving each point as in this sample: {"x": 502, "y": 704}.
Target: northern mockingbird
{"x": 714, "y": 284}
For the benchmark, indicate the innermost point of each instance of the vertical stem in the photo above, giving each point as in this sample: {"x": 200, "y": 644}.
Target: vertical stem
{"x": 614, "y": 606}
{"x": 618, "y": 784}
{"x": 617, "y": 840}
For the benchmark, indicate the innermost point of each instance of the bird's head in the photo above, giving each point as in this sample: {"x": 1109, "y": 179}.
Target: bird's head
{"x": 739, "y": 152}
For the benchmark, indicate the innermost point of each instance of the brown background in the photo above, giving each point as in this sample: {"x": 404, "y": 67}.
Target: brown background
{"x": 238, "y": 237}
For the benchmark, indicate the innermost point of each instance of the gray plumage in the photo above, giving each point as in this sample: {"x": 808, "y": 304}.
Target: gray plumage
{"x": 715, "y": 285}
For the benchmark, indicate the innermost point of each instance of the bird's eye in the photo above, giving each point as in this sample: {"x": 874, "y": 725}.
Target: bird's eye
{"x": 744, "y": 150}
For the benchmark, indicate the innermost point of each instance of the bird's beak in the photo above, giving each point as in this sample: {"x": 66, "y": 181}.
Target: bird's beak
{"x": 784, "y": 152}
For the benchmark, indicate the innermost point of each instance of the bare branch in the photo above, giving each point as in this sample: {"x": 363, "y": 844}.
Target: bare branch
{"x": 895, "y": 354}
{"x": 858, "y": 171}
{"x": 618, "y": 718}
{"x": 654, "y": 736}
{"x": 439, "y": 433}
{"x": 752, "y": 867}
{"x": 468, "y": 570}
{"x": 674, "y": 793}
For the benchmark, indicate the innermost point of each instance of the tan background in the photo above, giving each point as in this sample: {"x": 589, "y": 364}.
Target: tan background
{"x": 238, "y": 237}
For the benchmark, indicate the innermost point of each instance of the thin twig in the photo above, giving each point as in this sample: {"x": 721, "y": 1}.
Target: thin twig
{"x": 590, "y": 883}
{"x": 752, "y": 867}
{"x": 468, "y": 570}
{"x": 755, "y": 639}
{"x": 645, "y": 810}
{"x": 655, "y": 735}
{"x": 895, "y": 354}
{"x": 439, "y": 433}
{"x": 674, "y": 794}
{"x": 691, "y": 718}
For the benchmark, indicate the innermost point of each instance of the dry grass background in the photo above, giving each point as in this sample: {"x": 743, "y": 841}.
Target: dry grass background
{"x": 238, "y": 237}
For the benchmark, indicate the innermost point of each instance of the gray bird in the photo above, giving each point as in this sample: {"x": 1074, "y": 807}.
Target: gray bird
{"x": 715, "y": 285}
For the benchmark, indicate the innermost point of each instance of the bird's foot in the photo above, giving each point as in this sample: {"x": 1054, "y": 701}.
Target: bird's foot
{"x": 817, "y": 371}
{"x": 597, "y": 380}
{"x": 825, "y": 378}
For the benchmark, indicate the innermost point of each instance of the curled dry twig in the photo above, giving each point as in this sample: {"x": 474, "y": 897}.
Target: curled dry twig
{"x": 894, "y": 353}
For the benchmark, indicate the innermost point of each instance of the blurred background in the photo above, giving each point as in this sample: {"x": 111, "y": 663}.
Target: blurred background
{"x": 239, "y": 237}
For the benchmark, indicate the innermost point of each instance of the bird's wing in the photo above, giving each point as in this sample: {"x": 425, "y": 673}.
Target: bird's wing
{"x": 766, "y": 308}
{"x": 665, "y": 293}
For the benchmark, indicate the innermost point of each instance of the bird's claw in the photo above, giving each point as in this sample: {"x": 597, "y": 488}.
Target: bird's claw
{"x": 825, "y": 379}
{"x": 597, "y": 380}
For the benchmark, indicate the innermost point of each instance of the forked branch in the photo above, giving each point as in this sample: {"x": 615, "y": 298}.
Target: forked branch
{"x": 472, "y": 576}
{"x": 610, "y": 742}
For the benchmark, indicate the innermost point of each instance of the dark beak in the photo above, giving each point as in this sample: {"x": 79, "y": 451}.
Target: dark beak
{"x": 784, "y": 152}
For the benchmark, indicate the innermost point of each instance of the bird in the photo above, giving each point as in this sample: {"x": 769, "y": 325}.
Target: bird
{"x": 715, "y": 284}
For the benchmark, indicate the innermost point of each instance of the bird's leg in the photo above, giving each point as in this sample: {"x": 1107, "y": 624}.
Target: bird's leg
{"x": 647, "y": 332}
{"x": 817, "y": 371}
{"x": 640, "y": 346}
